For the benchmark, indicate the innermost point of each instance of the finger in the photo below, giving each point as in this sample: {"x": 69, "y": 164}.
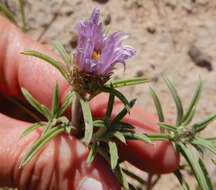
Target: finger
{"x": 157, "y": 158}
{"x": 18, "y": 70}
{"x": 61, "y": 165}
{"x": 38, "y": 77}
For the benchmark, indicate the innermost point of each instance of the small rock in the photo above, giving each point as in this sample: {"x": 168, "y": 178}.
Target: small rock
{"x": 139, "y": 73}
{"x": 188, "y": 7}
{"x": 101, "y": 1}
{"x": 199, "y": 58}
{"x": 151, "y": 29}
{"x": 107, "y": 20}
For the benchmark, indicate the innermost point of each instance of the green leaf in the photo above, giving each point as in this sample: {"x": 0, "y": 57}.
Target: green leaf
{"x": 206, "y": 174}
{"x": 197, "y": 171}
{"x": 136, "y": 136}
{"x": 177, "y": 101}
{"x": 113, "y": 150}
{"x": 106, "y": 30}
{"x": 120, "y": 175}
{"x": 55, "y": 100}
{"x": 181, "y": 179}
{"x": 98, "y": 123}
{"x": 40, "y": 143}
{"x": 32, "y": 128}
{"x": 110, "y": 106}
{"x": 92, "y": 152}
{"x": 203, "y": 124}
{"x": 119, "y": 95}
{"x": 122, "y": 113}
{"x": 21, "y": 7}
{"x": 88, "y": 120}
{"x": 159, "y": 137}
{"x": 8, "y": 14}
{"x": 41, "y": 108}
{"x": 119, "y": 136}
{"x": 62, "y": 52}
{"x": 68, "y": 101}
{"x": 50, "y": 124}
{"x": 190, "y": 117}
{"x": 122, "y": 125}
{"x": 194, "y": 101}
{"x": 210, "y": 138}
{"x": 198, "y": 148}
{"x": 168, "y": 126}
{"x": 205, "y": 143}
{"x": 158, "y": 107}
{"x": 48, "y": 59}
{"x": 128, "y": 82}
{"x": 134, "y": 176}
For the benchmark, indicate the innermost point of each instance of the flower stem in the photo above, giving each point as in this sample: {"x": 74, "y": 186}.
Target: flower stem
{"x": 76, "y": 115}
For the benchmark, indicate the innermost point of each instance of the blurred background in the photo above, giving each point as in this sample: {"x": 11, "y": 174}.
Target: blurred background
{"x": 173, "y": 38}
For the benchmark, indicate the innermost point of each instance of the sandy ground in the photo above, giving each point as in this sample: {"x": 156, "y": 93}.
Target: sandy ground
{"x": 162, "y": 32}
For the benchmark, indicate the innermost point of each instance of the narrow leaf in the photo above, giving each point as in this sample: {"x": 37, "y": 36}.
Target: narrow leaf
{"x": 181, "y": 180}
{"x": 122, "y": 125}
{"x": 8, "y": 13}
{"x": 176, "y": 99}
{"x": 88, "y": 120}
{"x": 120, "y": 175}
{"x": 21, "y": 7}
{"x": 136, "y": 136}
{"x": 40, "y": 143}
{"x": 32, "y": 128}
{"x": 189, "y": 117}
{"x": 194, "y": 100}
{"x": 123, "y": 112}
{"x": 119, "y": 95}
{"x": 68, "y": 101}
{"x": 92, "y": 152}
{"x": 197, "y": 171}
{"x": 55, "y": 100}
{"x": 50, "y": 124}
{"x": 48, "y": 59}
{"x": 206, "y": 174}
{"x": 168, "y": 126}
{"x": 98, "y": 123}
{"x": 159, "y": 137}
{"x": 106, "y": 30}
{"x": 128, "y": 82}
{"x": 62, "y": 52}
{"x": 113, "y": 150}
{"x": 157, "y": 105}
{"x": 41, "y": 108}
{"x": 119, "y": 136}
{"x": 110, "y": 106}
{"x": 205, "y": 143}
{"x": 203, "y": 124}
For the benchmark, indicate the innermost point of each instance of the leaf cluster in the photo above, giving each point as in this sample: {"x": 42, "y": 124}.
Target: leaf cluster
{"x": 55, "y": 124}
{"x": 185, "y": 135}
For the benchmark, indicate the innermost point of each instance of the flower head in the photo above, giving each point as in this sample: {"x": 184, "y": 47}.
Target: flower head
{"x": 97, "y": 53}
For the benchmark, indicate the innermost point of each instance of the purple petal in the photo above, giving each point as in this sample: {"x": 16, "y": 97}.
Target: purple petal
{"x": 95, "y": 15}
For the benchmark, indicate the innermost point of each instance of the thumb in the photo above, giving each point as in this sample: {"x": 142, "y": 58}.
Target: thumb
{"x": 60, "y": 165}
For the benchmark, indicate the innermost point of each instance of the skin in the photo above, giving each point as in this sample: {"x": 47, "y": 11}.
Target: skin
{"x": 61, "y": 165}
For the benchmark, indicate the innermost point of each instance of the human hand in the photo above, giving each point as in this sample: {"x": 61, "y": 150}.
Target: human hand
{"x": 62, "y": 163}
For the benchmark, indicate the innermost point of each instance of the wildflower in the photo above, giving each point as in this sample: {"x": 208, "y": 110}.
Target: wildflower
{"x": 97, "y": 53}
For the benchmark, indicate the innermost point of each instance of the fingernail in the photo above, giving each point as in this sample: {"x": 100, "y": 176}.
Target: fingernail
{"x": 90, "y": 183}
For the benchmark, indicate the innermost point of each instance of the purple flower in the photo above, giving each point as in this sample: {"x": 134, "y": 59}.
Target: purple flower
{"x": 97, "y": 53}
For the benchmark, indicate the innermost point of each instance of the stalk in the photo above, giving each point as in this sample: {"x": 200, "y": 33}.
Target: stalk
{"x": 76, "y": 115}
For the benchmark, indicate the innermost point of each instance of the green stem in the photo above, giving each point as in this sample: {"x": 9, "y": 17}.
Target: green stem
{"x": 76, "y": 114}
